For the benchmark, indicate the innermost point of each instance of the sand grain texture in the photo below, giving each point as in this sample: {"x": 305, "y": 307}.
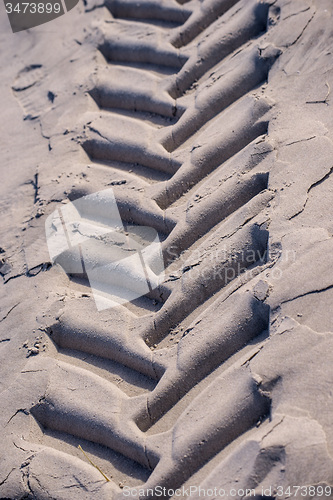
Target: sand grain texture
{"x": 211, "y": 120}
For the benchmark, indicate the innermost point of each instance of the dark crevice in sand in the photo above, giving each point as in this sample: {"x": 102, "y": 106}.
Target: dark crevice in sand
{"x": 308, "y": 293}
{"x": 302, "y": 32}
{"x": 300, "y": 140}
{"x": 6, "y": 280}
{"x": 322, "y": 101}
{"x": 314, "y": 185}
{"x": 7, "y": 476}
{"x": 21, "y": 410}
{"x": 36, "y": 187}
{"x": 296, "y": 13}
{"x": 8, "y": 312}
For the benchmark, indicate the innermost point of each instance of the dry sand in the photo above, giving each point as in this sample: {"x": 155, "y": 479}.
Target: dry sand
{"x": 212, "y": 122}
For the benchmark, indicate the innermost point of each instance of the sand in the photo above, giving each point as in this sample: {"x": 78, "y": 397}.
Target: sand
{"x": 210, "y": 122}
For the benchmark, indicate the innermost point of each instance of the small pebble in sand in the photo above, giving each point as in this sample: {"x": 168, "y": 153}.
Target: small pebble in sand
{"x": 32, "y": 352}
